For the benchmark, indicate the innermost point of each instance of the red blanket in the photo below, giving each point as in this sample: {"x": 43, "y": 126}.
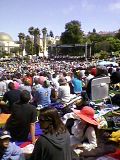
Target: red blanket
{"x": 115, "y": 155}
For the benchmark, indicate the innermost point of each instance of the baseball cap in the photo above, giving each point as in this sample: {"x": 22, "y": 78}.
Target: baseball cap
{"x": 4, "y": 134}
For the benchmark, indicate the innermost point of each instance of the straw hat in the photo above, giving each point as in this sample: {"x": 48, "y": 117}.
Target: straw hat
{"x": 86, "y": 114}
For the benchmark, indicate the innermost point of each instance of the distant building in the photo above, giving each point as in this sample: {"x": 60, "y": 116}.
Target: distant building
{"x": 104, "y": 33}
{"x": 53, "y": 40}
{"x": 6, "y": 42}
{"x": 45, "y": 43}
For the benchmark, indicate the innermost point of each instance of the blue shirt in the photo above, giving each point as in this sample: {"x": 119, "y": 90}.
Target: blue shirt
{"x": 13, "y": 152}
{"x": 44, "y": 96}
{"x": 77, "y": 85}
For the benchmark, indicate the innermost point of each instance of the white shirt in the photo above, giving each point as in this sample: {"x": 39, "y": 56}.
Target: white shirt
{"x": 64, "y": 93}
{"x": 90, "y": 76}
{"x": 55, "y": 82}
{"x": 90, "y": 135}
{"x": 3, "y": 87}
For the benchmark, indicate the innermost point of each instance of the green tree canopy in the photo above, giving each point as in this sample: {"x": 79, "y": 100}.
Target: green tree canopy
{"x": 114, "y": 42}
{"x": 35, "y": 36}
{"x": 101, "y": 55}
{"x": 21, "y": 40}
{"x": 73, "y": 33}
{"x": 94, "y": 37}
{"x": 29, "y": 45}
{"x": 117, "y": 35}
{"x": 31, "y": 30}
{"x": 103, "y": 45}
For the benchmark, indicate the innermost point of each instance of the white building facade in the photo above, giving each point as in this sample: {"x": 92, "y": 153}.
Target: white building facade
{"x": 6, "y": 43}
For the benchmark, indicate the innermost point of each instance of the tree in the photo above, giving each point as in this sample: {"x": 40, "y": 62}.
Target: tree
{"x": 103, "y": 45}
{"x": 21, "y": 36}
{"x": 94, "y": 38}
{"x": 51, "y": 34}
{"x": 117, "y": 35}
{"x": 44, "y": 31}
{"x": 101, "y": 55}
{"x": 117, "y": 53}
{"x": 94, "y": 30}
{"x": 115, "y": 43}
{"x": 35, "y": 36}
{"x": 14, "y": 50}
{"x": 21, "y": 42}
{"x": 29, "y": 45}
{"x": 49, "y": 42}
{"x": 31, "y": 31}
{"x": 73, "y": 33}
{"x": 36, "y": 41}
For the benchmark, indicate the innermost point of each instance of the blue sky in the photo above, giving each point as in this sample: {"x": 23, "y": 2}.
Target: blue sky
{"x": 18, "y": 15}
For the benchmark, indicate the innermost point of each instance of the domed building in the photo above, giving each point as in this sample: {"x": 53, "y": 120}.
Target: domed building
{"x": 6, "y": 42}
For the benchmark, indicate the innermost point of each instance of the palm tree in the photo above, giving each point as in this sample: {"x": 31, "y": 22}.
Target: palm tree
{"x": 51, "y": 34}
{"x": 36, "y": 40}
{"x": 44, "y": 31}
{"x": 21, "y": 41}
{"x": 21, "y": 37}
{"x": 27, "y": 37}
{"x": 36, "y": 35}
{"x": 31, "y": 32}
{"x": 28, "y": 45}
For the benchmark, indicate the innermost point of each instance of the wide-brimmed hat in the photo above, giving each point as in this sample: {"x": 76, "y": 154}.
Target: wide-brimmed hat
{"x": 62, "y": 81}
{"x": 86, "y": 114}
{"x": 4, "y": 134}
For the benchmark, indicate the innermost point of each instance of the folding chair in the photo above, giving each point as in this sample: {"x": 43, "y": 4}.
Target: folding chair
{"x": 100, "y": 89}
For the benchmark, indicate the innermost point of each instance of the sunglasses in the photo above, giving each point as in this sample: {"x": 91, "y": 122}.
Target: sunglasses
{"x": 43, "y": 119}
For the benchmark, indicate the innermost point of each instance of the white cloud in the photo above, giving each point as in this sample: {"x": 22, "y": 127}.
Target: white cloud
{"x": 114, "y": 6}
{"x": 87, "y": 5}
{"x": 68, "y": 10}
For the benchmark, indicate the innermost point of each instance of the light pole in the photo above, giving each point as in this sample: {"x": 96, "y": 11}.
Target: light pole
{"x": 90, "y": 50}
{"x": 86, "y": 51}
{"x": 8, "y": 48}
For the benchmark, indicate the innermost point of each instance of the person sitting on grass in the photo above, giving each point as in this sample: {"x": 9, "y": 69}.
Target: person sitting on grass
{"x": 8, "y": 150}
{"x": 54, "y": 144}
{"x": 22, "y": 120}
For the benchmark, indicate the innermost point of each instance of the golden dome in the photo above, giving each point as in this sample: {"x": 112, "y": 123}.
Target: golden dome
{"x": 5, "y": 37}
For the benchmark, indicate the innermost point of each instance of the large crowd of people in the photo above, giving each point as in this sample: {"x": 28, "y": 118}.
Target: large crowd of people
{"x": 38, "y": 91}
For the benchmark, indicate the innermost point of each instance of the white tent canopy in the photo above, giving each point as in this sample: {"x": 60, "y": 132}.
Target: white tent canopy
{"x": 107, "y": 63}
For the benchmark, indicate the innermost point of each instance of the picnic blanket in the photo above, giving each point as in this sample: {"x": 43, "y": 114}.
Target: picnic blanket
{"x": 38, "y": 132}
{"x": 3, "y": 119}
